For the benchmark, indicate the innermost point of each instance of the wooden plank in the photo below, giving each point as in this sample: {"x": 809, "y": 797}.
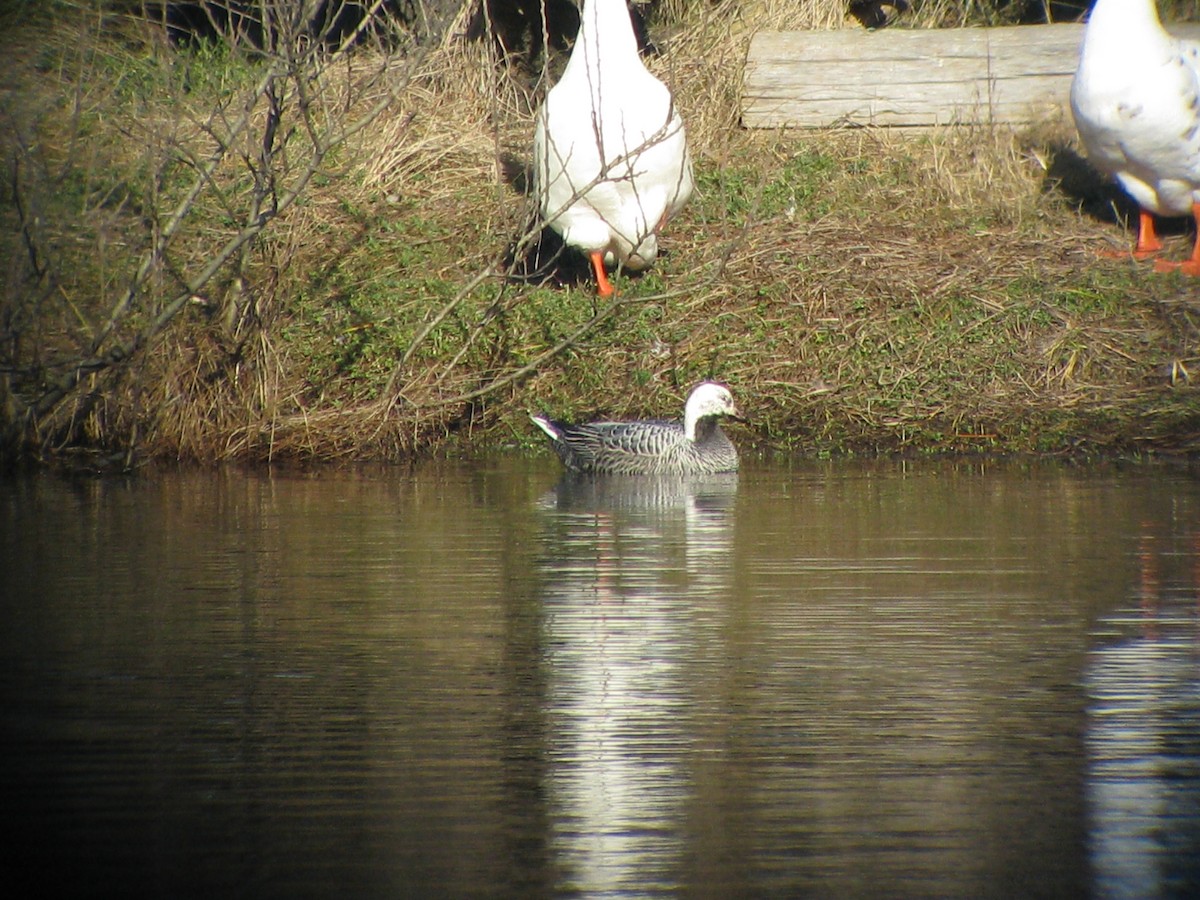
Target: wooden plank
{"x": 817, "y": 79}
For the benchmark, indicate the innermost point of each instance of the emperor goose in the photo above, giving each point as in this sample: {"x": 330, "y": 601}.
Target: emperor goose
{"x": 1136, "y": 102}
{"x": 697, "y": 446}
{"x": 610, "y": 157}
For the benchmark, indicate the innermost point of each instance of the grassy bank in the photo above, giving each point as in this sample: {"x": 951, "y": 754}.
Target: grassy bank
{"x": 213, "y": 257}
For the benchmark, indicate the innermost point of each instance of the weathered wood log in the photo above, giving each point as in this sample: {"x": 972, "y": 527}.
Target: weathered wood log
{"x": 952, "y": 76}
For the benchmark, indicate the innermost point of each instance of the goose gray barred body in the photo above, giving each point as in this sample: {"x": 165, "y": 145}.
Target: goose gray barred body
{"x": 695, "y": 446}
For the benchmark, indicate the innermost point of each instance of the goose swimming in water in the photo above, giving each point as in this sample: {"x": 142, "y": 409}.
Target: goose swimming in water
{"x": 697, "y": 446}
{"x": 610, "y": 157}
{"x": 1136, "y": 102}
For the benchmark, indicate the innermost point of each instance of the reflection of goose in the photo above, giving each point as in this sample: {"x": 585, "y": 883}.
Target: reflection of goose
{"x": 1136, "y": 102}
{"x": 1142, "y": 736}
{"x": 1138, "y": 729}
{"x": 610, "y": 159}
{"x": 698, "y": 446}
{"x": 635, "y": 571}
{"x": 645, "y": 526}
{"x": 575, "y": 492}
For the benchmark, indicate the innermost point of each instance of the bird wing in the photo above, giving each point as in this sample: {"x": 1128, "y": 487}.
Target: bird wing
{"x": 621, "y": 446}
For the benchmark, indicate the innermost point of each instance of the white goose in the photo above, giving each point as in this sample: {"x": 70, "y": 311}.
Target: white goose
{"x": 1136, "y": 102}
{"x": 610, "y": 158}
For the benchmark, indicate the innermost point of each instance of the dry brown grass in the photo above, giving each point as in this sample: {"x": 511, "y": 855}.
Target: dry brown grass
{"x": 861, "y": 289}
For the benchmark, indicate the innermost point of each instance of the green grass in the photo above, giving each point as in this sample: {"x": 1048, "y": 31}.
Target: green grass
{"x": 861, "y": 291}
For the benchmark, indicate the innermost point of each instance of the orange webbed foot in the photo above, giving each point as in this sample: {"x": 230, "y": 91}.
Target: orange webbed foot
{"x": 1190, "y": 266}
{"x": 603, "y": 286}
{"x": 1148, "y": 241}
{"x": 1139, "y": 253}
{"x": 1187, "y": 267}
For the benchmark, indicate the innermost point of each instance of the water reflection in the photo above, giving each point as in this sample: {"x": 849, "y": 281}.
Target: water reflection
{"x": 632, "y": 570}
{"x": 1144, "y": 728}
{"x": 853, "y": 680}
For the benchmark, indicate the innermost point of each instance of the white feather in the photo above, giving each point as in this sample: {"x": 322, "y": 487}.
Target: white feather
{"x": 1136, "y": 102}
{"x": 611, "y": 163}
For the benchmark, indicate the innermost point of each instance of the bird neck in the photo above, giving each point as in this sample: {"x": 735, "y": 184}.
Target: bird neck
{"x": 605, "y": 27}
{"x": 700, "y": 429}
{"x": 1117, "y": 22}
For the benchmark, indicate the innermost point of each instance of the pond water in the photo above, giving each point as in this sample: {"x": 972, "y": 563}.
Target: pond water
{"x": 945, "y": 679}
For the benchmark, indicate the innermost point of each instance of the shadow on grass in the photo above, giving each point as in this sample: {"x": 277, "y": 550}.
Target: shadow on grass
{"x": 1098, "y": 197}
{"x": 542, "y": 258}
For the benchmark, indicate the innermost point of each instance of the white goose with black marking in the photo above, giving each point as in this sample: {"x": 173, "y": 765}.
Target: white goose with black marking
{"x": 695, "y": 446}
{"x": 1136, "y": 102}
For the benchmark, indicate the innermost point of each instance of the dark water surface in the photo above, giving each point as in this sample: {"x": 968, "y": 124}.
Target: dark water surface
{"x": 945, "y": 679}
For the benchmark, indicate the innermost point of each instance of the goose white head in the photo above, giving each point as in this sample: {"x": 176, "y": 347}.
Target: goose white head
{"x": 707, "y": 399}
